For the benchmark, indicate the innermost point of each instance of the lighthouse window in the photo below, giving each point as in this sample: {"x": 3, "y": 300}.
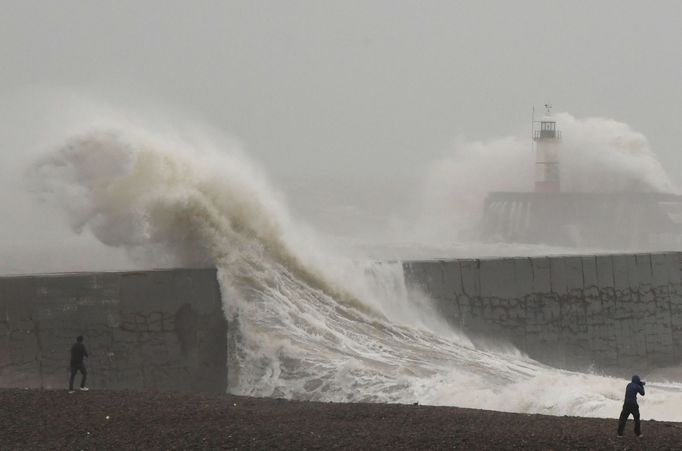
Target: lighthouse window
{"x": 547, "y": 126}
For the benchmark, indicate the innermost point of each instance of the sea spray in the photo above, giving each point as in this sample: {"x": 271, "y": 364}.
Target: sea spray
{"x": 304, "y": 325}
{"x": 596, "y": 155}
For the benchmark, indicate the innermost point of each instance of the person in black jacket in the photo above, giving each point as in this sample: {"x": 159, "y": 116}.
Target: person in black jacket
{"x": 630, "y": 405}
{"x": 78, "y": 352}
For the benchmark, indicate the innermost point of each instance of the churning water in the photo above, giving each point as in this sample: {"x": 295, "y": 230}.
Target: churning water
{"x": 304, "y": 323}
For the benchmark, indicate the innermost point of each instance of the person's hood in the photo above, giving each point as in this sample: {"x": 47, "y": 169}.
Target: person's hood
{"x": 636, "y": 379}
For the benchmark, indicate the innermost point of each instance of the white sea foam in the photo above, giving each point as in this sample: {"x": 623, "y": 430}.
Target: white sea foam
{"x": 304, "y": 323}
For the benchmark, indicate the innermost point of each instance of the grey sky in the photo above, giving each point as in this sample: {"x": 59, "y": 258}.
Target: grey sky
{"x": 369, "y": 87}
{"x": 340, "y": 101}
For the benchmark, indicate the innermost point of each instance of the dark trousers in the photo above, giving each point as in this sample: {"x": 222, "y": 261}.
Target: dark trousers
{"x": 80, "y": 367}
{"x": 629, "y": 408}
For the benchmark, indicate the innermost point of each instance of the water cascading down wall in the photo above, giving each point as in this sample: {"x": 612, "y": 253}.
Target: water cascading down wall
{"x": 607, "y": 312}
{"x": 165, "y": 329}
{"x": 144, "y": 330}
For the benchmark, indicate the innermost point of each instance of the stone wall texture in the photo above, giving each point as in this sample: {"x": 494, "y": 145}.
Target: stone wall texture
{"x": 608, "y": 312}
{"x": 152, "y": 330}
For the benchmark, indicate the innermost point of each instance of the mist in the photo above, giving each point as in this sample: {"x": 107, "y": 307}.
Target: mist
{"x": 308, "y": 324}
{"x": 597, "y": 155}
{"x": 367, "y": 118}
{"x": 305, "y": 149}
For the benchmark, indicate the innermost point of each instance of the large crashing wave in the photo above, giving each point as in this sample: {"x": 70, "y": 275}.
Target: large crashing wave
{"x": 303, "y": 325}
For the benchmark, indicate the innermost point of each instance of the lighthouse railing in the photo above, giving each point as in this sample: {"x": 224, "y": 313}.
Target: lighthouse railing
{"x": 547, "y": 134}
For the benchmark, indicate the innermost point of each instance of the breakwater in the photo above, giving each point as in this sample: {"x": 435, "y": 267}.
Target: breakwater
{"x": 166, "y": 330}
{"x": 607, "y": 312}
{"x": 160, "y": 330}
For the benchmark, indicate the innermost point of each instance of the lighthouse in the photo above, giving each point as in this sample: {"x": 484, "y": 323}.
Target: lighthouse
{"x": 547, "y": 141}
{"x": 617, "y": 220}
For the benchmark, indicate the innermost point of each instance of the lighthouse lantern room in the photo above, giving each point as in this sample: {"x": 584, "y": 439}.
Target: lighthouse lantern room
{"x": 547, "y": 140}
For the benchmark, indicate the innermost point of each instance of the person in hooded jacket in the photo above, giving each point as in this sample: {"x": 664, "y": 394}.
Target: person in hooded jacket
{"x": 630, "y": 405}
{"x": 78, "y": 352}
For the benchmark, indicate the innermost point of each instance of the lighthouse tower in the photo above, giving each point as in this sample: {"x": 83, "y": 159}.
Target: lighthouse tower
{"x": 547, "y": 140}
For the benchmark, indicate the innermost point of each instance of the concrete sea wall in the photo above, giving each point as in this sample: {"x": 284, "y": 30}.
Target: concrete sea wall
{"x": 159, "y": 330}
{"x": 610, "y": 312}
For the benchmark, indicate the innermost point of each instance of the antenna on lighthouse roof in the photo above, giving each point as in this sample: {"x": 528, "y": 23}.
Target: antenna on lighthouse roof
{"x": 548, "y": 109}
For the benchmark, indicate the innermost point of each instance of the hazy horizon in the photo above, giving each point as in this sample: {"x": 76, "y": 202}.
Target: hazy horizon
{"x": 347, "y": 106}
